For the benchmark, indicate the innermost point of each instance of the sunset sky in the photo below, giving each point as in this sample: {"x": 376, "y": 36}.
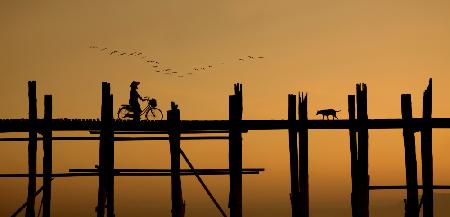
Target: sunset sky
{"x": 320, "y": 47}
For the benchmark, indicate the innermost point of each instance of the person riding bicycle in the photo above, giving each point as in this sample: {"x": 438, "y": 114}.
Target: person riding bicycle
{"x": 134, "y": 100}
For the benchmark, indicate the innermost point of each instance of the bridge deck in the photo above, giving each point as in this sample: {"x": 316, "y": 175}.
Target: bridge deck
{"x": 23, "y": 125}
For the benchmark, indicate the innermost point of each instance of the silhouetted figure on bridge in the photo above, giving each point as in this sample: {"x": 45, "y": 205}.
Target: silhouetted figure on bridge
{"x": 328, "y": 112}
{"x": 134, "y": 100}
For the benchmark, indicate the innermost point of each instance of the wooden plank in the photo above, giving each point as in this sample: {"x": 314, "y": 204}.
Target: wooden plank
{"x": 32, "y": 148}
{"x": 235, "y": 152}
{"x": 353, "y": 157}
{"x": 412, "y": 206}
{"x": 173, "y": 117}
{"x": 363, "y": 150}
{"x": 303, "y": 157}
{"x": 48, "y": 156}
{"x": 427, "y": 154}
{"x": 293, "y": 156}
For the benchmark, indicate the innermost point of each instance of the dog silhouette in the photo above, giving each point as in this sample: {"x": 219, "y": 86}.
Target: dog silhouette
{"x": 327, "y": 112}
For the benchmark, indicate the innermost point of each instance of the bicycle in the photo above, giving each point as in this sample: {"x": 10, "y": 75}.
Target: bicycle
{"x": 150, "y": 111}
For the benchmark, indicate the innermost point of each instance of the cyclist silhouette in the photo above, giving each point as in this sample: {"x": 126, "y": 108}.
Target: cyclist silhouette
{"x": 134, "y": 100}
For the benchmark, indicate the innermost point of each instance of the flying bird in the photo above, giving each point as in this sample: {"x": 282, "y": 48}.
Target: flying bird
{"x": 241, "y": 59}
{"x": 113, "y": 52}
{"x": 260, "y": 57}
{"x": 174, "y": 72}
{"x": 209, "y": 66}
{"x": 158, "y": 71}
{"x": 123, "y": 54}
{"x": 251, "y": 57}
{"x": 131, "y": 54}
{"x": 156, "y": 62}
{"x": 138, "y": 53}
{"x": 155, "y": 66}
{"x": 167, "y": 70}
{"x": 195, "y": 69}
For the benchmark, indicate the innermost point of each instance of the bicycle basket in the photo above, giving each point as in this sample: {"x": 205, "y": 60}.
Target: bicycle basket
{"x": 152, "y": 103}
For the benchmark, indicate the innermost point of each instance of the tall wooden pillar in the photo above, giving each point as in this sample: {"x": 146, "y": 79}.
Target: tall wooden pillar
{"x": 235, "y": 152}
{"x": 353, "y": 157}
{"x": 303, "y": 156}
{"x": 173, "y": 119}
{"x": 293, "y": 156}
{"x": 32, "y": 147}
{"x": 106, "y": 155}
{"x": 47, "y": 161}
{"x": 109, "y": 156}
{"x": 427, "y": 153}
{"x": 363, "y": 149}
{"x": 412, "y": 206}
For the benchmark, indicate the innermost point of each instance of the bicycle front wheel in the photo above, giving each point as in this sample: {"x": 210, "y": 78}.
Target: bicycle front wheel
{"x": 154, "y": 114}
{"x": 122, "y": 113}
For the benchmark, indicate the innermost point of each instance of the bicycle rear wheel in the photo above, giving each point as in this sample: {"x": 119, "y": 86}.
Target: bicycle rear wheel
{"x": 122, "y": 113}
{"x": 154, "y": 114}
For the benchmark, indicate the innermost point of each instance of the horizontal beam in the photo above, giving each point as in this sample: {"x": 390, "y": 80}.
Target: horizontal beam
{"x": 80, "y": 174}
{"x": 22, "y": 125}
{"x": 400, "y": 187}
{"x": 89, "y": 138}
{"x": 164, "y": 132}
{"x": 168, "y": 170}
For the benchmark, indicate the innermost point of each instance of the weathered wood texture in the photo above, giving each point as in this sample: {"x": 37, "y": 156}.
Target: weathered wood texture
{"x": 427, "y": 153}
{"x": 48, "y": 156}
{"x": 303, "y": 157}
{"x": 353, "y": 157}
{"x": 235, "y": 151}
{"x": 173, "y": 118}
{"x": 32, "y": 148}
{"x": 293, "y": 156}
{"x": 412, "y": 206}
{"x": 363, "y": 150}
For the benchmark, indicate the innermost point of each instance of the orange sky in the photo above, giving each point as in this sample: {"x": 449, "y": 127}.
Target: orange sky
{"x": 322, "y": 47}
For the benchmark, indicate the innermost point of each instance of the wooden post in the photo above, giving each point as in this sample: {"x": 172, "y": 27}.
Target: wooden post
{"x": 353, "y": 157}
{"x": 293, "y": 155}
{"x": 412, "y": 206}
{"x": 32, "y": 147}
{"x": 303, "y": 157}
{"x": 173, "y": 118}
{"x": 103, "y": 159}
{"x": 427, "y": 153}
{"x": 47, "y": 161}
{"x": 109, "y": 156}
{"x": 235, "y": 152}
{"x": 363, "y": 149}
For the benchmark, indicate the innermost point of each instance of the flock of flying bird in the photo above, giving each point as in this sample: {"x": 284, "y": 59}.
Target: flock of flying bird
{"x": 158, "y": 67}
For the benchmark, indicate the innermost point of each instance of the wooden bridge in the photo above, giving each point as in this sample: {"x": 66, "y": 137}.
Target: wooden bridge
{"x": 109, "y": 130}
